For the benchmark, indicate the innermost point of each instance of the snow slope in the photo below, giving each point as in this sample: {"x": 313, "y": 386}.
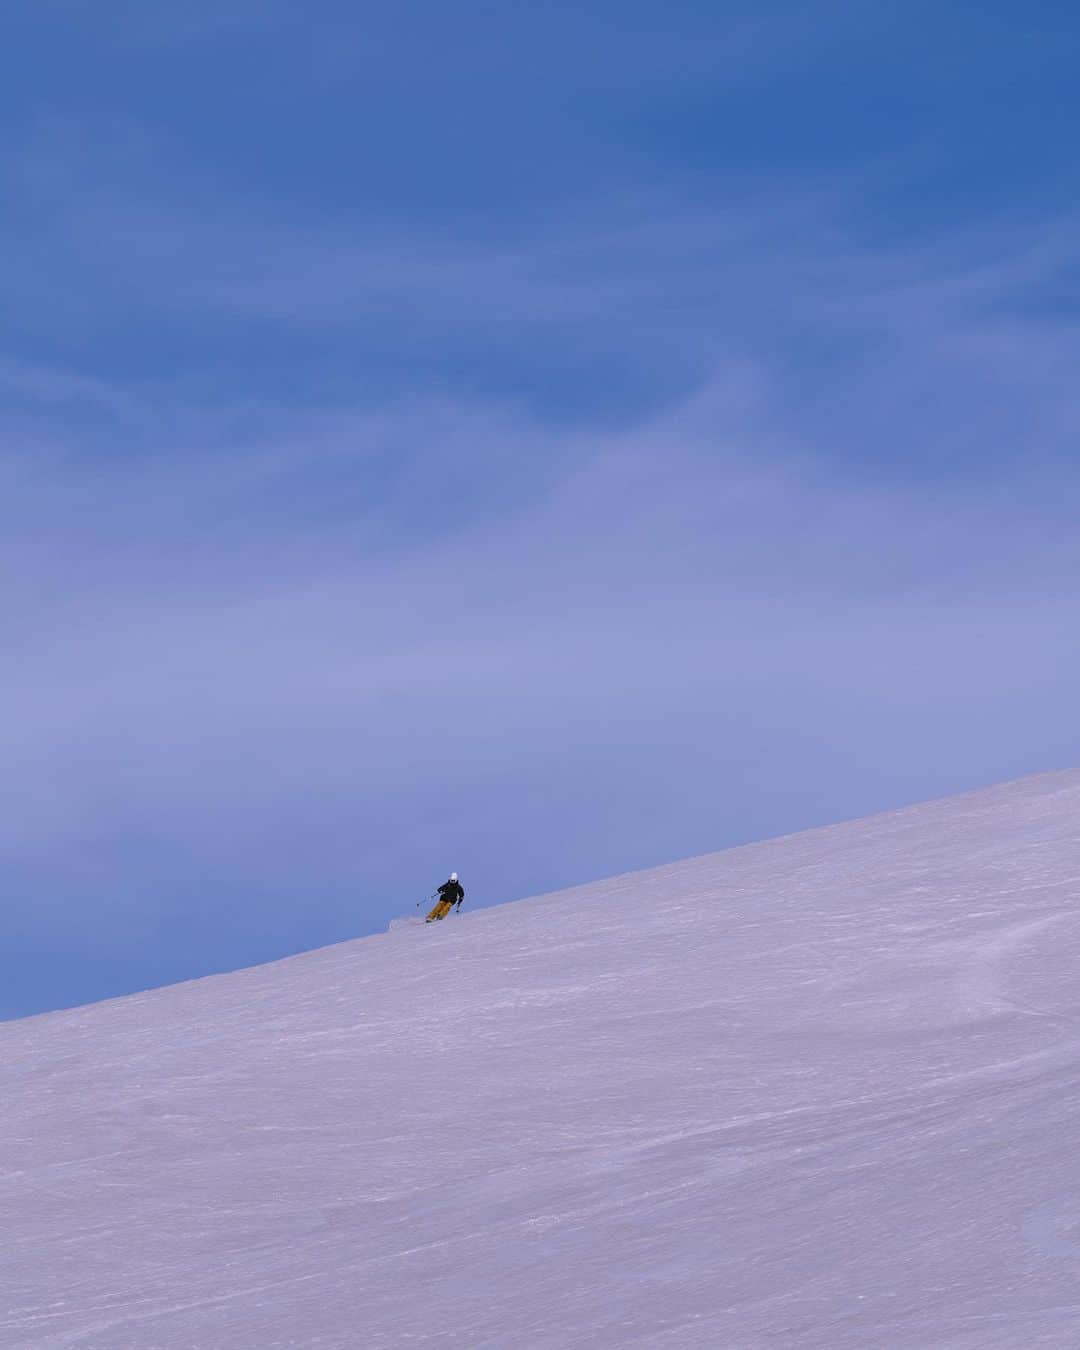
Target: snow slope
{"x": 818, "y": 1092}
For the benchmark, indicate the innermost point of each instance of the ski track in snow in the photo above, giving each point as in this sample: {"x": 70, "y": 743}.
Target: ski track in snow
{"x": 818, "y": 1092}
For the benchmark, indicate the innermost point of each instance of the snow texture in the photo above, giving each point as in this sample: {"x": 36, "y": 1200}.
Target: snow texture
{"x": 818, "y": 1092}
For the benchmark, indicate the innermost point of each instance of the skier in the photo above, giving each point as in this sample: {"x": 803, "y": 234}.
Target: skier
{"x": 450, "y": 893}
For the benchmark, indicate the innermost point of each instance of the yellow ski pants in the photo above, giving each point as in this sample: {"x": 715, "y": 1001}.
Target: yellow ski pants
{"x": 441, "y": 910}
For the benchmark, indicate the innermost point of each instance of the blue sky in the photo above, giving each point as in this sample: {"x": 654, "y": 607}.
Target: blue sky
{"x": 541, "y": 441}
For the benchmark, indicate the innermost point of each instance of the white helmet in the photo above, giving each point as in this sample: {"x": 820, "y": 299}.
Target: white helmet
{"x": 453, "y": 876}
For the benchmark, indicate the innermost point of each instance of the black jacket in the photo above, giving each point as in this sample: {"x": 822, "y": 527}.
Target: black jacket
{"x": 453, "y": 891}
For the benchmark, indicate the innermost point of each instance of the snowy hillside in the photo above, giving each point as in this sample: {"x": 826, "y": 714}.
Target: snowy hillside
{"x": 818, "y": 1092}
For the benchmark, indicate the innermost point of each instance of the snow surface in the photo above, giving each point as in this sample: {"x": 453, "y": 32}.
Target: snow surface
{"x": 823, "y": 1091}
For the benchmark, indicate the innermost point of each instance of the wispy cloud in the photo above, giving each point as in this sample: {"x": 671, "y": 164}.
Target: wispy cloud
{"x": 202, "y": 679}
